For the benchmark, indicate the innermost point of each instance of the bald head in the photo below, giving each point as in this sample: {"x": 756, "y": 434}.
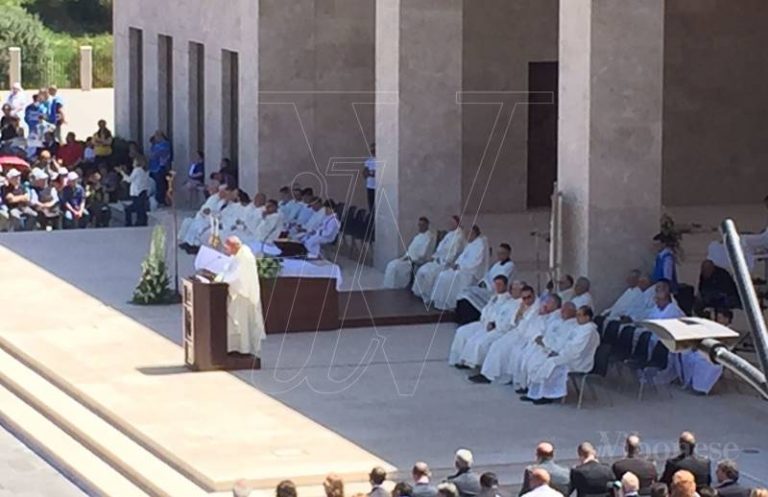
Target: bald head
{"x": 687, "y": 442}
{"x": 420, "y": 470}
{"x": 539, "y": 477}
{"x": 586, "y": 451}
{"x": 633, "y": 445}
{"x": 545, "y": 451}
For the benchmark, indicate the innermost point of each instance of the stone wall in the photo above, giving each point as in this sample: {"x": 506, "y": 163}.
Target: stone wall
{"x": 500, "y": 38}
{"x": 715, "y": 102}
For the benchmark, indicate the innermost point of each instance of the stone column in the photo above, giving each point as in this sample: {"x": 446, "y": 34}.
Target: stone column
{"x": 418, "y": 119}
{"x": 611, "y": 86}
{"x": 182, "y": 154}
{"x": 86, "y": 68}
{"x": 14, "y": 66}
{"x": 212, "y": 123}
{"x": 150, "y": 96}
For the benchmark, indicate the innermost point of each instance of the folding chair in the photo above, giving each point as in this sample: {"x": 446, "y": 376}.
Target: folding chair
{"x": 599, "y": 371}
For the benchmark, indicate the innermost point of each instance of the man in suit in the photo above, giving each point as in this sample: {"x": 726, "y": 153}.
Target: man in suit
{"x": 699, "y": 466}
{"x": 467, "y": 481}
{"x": 591, "y": 477}
{"x": 489, "y": 484}
{"x": 643, "y": 469}
{"x": 421, "y": 485}
{"x": 728, "y": 485}
{"x": 377, "y": 477}
{"x": 559, "y": 476}
{"x": 540, "y": 484}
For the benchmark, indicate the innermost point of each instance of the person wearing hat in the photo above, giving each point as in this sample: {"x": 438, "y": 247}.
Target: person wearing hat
{"x": 16, "y": 197}
{"x": 5, "y": 217}
{"x": 44, "y": 199}
{"x": 466, "y": 480}
{"x": 73, "y": 203}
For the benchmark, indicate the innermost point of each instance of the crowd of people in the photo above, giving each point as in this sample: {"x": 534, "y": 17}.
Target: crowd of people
{"x": 687, "y": 474}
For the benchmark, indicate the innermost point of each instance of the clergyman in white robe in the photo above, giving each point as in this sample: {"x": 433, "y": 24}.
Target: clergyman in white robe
{"x": 325, "y": 233}
{"x": 581, "y": 296}
{"x": 627, "y": 299}
{"x": 245, "y": 321}
{"x": 232, "y": 219}
{"x": 696, "y": 371}
{"x": 549, "y": 379}
{"x": 477, "y": 347}
{"x": 526, "y": 343}
{"x": 553, "y": 338}
{"x": 486, "y": 324}
{"x": 445, "y": 256}
{"x": 478, "y": 295}
{"x": 254, "y": 215}
{"x": 468, "y": 270}
{"x": 193, "y": 229}
{"x": 268, "y": 230}
{"x": 398, "y": 271}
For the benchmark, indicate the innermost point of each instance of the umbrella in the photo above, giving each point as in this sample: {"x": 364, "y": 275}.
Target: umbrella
{"x": 9, "y": 162}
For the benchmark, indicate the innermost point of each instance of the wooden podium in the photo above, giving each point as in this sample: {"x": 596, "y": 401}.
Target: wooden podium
{"x": 204, "y": 306}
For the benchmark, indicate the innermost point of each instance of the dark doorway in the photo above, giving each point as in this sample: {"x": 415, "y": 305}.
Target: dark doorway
{"x": 542, "y": 132}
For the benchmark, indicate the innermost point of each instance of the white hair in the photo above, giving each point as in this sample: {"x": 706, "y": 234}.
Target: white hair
{"x": 241, "y": 489}
{"x": 465, "y": 456}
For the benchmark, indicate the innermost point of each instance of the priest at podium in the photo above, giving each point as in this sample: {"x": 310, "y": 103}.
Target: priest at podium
{"x": 245, "y": 321}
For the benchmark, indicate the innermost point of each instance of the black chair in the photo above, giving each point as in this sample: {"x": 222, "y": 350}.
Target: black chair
{"x": 686, "y": 298}
{"x": 611, "y": 333}
{"x": 339, "y": 210}
{"x": 599, "y": 371}
{"x": 600, "y": 322}
{"x": 349, "y": 219}
{"x": 658, "y": 361}
{"x": 622, "y": 348}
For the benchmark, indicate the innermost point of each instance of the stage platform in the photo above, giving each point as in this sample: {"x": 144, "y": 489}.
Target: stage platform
{"x": 119, "y": 389}
{"x": 372, "y": 308}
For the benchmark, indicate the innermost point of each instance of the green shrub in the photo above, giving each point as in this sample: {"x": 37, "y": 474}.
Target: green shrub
{"x": 19, "y": 28}
{"x": 65, "y": 60}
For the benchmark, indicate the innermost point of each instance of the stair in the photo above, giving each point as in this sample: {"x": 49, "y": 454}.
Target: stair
{"x": 81, "y": 442}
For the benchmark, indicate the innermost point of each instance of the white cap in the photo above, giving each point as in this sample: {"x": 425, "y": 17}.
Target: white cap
{"x": 38, "y": 173}
{"x": 72, "y": 176}
{"x": 13, "y": 173}
{"x": 465, "y": 455}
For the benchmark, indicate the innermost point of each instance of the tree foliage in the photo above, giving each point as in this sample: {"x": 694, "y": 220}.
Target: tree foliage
{"x": 19, "y": 28}
{"x": 72, "y": 16}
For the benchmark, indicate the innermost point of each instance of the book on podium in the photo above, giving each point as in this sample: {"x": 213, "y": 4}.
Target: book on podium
{"x": 204, "y": 305}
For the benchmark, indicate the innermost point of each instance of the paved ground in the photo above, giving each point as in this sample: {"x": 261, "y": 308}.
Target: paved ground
{"x": 24, "y": 474}
{"x": 85, "y": 108}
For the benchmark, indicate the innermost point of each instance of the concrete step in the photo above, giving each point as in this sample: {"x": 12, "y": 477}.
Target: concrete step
{"x": 96, "y": 476}
{"x": 112, "y": 447}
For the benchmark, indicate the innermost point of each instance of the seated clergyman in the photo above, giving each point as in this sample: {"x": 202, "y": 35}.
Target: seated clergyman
{"x": 245, "y": 321}
{"x": 444, "y": 257}
{"x": 581, "y": 296}
{"x": 547, "y": 377}
{"x": 195, "y": 230}
{"x": 269, "y": 228}
{"x": 471, "y": 300}
{"x": 487, "y": 322}
{"x": 465, "y": 272}
{"x": 398, "y": 271}
{"x": 324, "y": 233}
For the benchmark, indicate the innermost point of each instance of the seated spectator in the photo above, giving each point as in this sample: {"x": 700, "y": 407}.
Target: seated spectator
{"x": 448, "y": 489}
{"x": 5, "y": 217}
{"x": 102, "y": 143}
{"x": 540, "y": 485}
{"x": 716, "y": 288}
{"x": 559, "y": 476}
{"x": 421, "y": 484}
{"x": 241, "y": 489}
{"x": 44, "y": 199}
{"x": 195, "y": 177}
{"x": 333, "y": 486}
{"x": 89, "y": 153}
{"x": 466, "y": 480}
{"x": 286, "y": 488}
{"x": 71, "y": 153}
{"x": 634, "y": 463}
{"x": 138, "y": 189}
{"x": 659, "y": 490}
{"x": 16, "y": 197}
{"x": 489, "y": 485}
{"x": 73, "y": 203}
{"x": 159, "y": 163}
{"x": 377, "y": 477}
{"x": 698, "y": 466}
{"x": 683, "y": 484}
{"x": 402, "y": 489}
{"x": 630, "y": 485}
{"x": 97, "y": 201}
{"x": 591, "y": 477}
{"x": 727, "y": 474}
{"x": 112, "y": 182}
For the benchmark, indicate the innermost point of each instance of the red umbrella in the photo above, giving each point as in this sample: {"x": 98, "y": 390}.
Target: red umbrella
{"x": 9, "y": 162}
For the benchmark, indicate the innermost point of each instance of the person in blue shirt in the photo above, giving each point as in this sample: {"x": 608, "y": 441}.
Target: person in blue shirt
{"x": 55, "y": 111}
{"x": 73, "y": 203}
{"x": 160, "y": 157}
{"x": 33, "y": 112}
{"x": 665, "y": 267}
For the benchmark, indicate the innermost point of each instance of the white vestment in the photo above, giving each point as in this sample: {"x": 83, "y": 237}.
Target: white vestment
{"x": 245, "y": 321}
{"x": 495, "y": 363}
{"x": 697, "y": 371}
{"x": 566, "y": 295}
{"x": 526, "y": 343}
{"x": 472, "y": 264}
{"x": 193, "y": 229}
{"x": 447, "y": 251}
{"x": 477, "y": 347}
{"x": 581, "y": 300}
{"x": 577, "y": 355}
{"x": 543, "y": 491}
{"x": 324, "y": 234}
{"x": 489, "y": 314}
{"x": 267, "y": 231}
{"x": 232, "y": 220}
{"x": 478, "y": 295}
{"x": 289, "y": 210}
{"x": 673, "y": 370}
{"x": 625, "y": 303}
{"x": 398, "y": 271}
{"x": 554, "y": 339}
